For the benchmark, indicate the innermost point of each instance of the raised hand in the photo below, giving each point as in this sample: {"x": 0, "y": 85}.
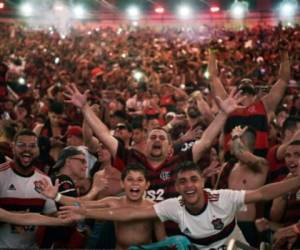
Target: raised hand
{"x": 96, "y": 108}
{"x": 285, "y": 66}
{"x": 100, "y": 183}
{"x": 231, "y": 103}
{"x": 212, "y": 63}
{"x": 285, "y": 235}
{"x": 213, "y": 169}
{"x": 238, "y": 131}
{"x": 193, "y": 134}
{"x": 46, "y": 188}
{"x": 74, "y": 96}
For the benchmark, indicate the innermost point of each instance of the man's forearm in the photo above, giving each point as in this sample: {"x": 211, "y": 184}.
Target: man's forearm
{"x": 30, "y": 219}
{"x": 284, "y": 68}
{"x": 100, "y": 129}
{"x": 93, "y": 121}
{"x": 271, "y": 191}
{"x": 213, "y": 130}
{"x": 67, "y": 200}
{"x": 208, "y": 136}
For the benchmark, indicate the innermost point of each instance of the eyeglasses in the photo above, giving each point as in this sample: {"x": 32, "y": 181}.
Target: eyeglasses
{"x": 22, "y": 145}
{"x": 82, "y": 161}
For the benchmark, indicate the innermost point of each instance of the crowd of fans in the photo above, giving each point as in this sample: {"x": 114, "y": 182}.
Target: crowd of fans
{"x": 136, "y": 79}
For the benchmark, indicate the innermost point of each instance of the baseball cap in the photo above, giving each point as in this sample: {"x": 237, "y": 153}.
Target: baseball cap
{"x": 246, "y": 87}
{"x": 74, "y": 130}
{"x": 64, "y": 154}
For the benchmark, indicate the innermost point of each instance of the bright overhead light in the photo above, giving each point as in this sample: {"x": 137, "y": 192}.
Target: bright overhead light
{"x": 239, "y": 9}
{"x": 59, "y": 7}
{"x": 133, "y": 12}
{"x": 2, "y": 5}
{"x": 288, "y": 9}
{"x": 214, "y": 9}
{"x": 159, "y": 10}
{"x": 79, "y": 11}
{"x": 184, "y": 11}
{"x": 26, "y": 9}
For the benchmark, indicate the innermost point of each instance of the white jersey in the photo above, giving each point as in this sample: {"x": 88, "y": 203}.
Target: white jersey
{"x": 214, "y": 225}
{"x": 17, "y": 193}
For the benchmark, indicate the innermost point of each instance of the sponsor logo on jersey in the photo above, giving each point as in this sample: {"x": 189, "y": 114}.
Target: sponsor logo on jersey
{"x": 218, "y": 224}
{"x": 12, "y": 187}
{"x": 186, "y": 231}
{"x": 165, "y": 175}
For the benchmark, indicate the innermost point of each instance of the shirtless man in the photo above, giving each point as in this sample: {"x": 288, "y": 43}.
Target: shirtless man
{"x": 106, "y": 181}
{"x": 249, "y": 173}
{"x": 134, "y": 182}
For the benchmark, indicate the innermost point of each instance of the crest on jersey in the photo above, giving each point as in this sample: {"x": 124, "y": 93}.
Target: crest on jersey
{"x": 218, "y": 224}
{"x": 165, "y": 175}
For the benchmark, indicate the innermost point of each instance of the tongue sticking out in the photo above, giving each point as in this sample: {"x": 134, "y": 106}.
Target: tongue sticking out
{"x": 26, "y": 159}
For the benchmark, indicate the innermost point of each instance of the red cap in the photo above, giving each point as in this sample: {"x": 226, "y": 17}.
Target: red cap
{"x": 74, "y": 130}
{"x": 97, "y": 72}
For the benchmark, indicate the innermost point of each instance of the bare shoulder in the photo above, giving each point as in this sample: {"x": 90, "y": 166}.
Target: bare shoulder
{"x": 148, "y": 202}
{"x": 114, "y": 201}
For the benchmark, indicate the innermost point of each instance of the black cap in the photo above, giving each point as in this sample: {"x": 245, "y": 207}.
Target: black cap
{"x": 246, "y": 87}
{"x": 64, "y": 154}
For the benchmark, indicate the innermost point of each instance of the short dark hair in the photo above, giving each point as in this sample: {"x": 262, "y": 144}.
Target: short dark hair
{"x": 290, "y": 123}
{"x": 295, "y": 143}
{"x": 187, "y": 166}
{"x": 134, "y": 167}
{"x": 8, "y": 128}
{"x": 161, "y": 128}
{"x": 24, "y": 132}
{"x": 56, "y": 107}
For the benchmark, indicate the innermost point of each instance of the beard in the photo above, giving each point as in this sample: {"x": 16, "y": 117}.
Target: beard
{"x": 25, "y": 167}
{"x": 193, "y": 112}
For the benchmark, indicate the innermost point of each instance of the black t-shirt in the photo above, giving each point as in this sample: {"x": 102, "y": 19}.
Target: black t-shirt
{"x": 53, "y": 234}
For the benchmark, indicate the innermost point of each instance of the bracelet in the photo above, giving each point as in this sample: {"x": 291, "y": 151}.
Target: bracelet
{"x": 296, "y": 229}
{"x": 58, "y": 197}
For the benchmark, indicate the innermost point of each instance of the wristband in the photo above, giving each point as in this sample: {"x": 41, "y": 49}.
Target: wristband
{"x": 58, "y": 197}
{"x": 296, "y": 229}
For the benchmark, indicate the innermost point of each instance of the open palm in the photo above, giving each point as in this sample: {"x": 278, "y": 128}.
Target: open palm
{"x": 231, "y": 103}
{"x": 74, "y": 96}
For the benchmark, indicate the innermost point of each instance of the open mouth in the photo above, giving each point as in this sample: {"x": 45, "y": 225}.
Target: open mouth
{"x": 26, "y": 158}
{"x": 135, "y": 190}
{"x": 156, "y": 146}
{"x": 293, "y": 167}
{"x": 190, "y": 192}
